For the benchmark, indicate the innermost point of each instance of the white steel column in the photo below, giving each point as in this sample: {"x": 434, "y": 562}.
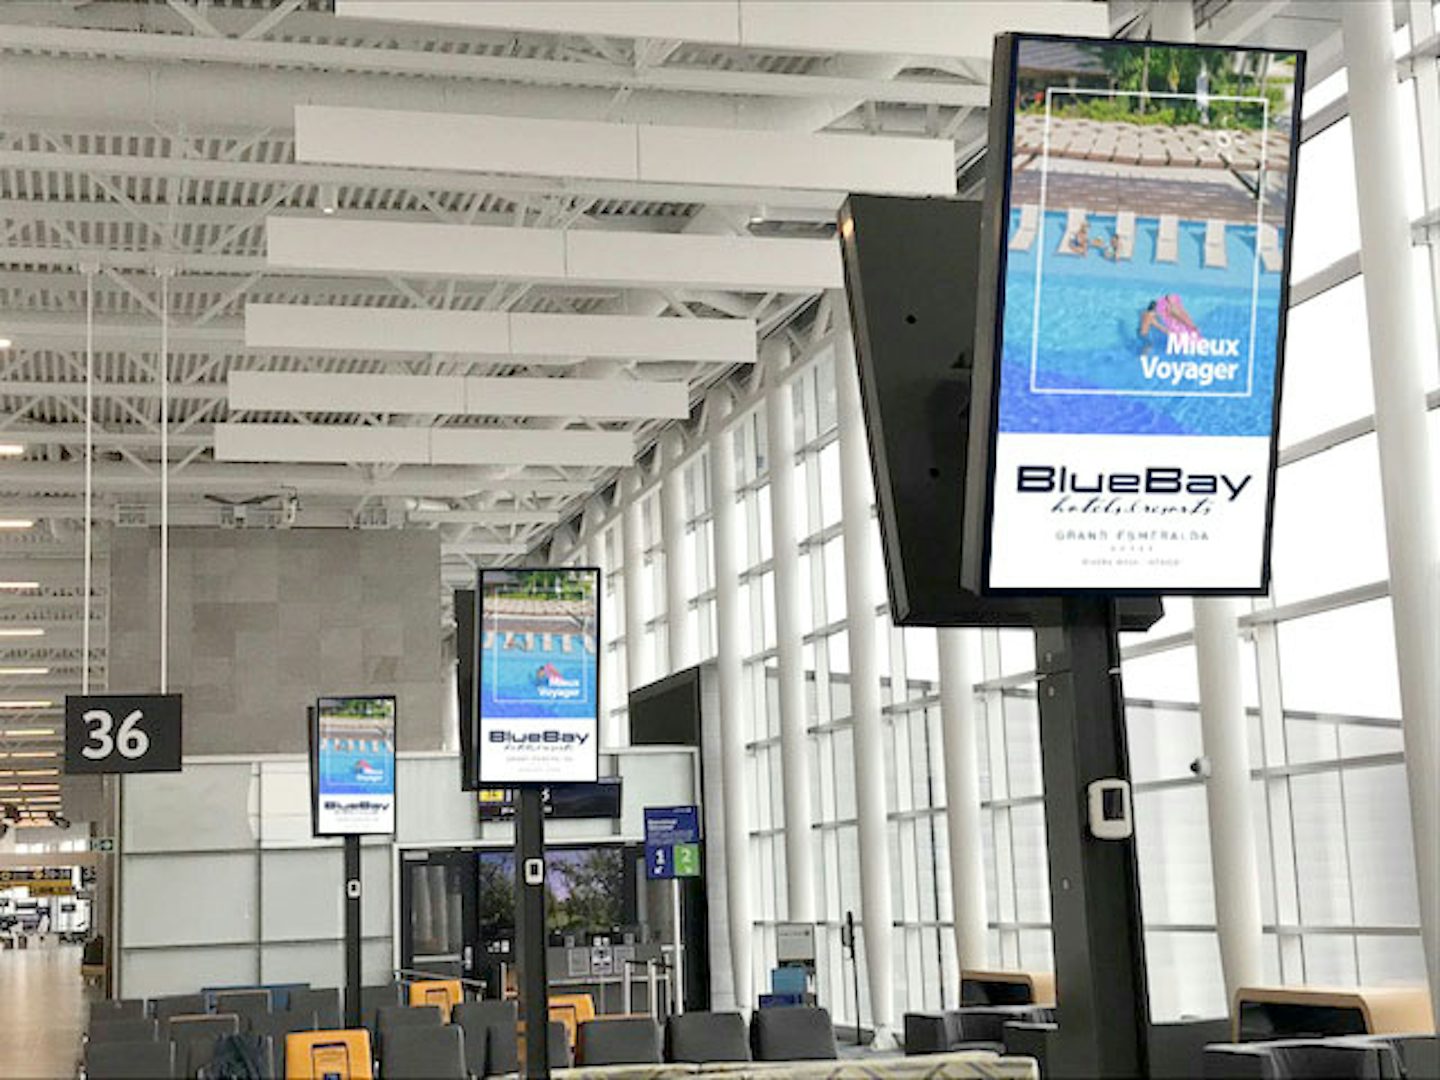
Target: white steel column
{"x": 632, "y": 537}
{"x": 679, "y": 566}
{"x": 962, "y": 799}
{"x": 1233, "y": 861}
{"x": 789, "y": 633}
{"x": 860, "y": 603}
{"x": 1408, "y": 478}
{"x": 731, "y": 647}
{"x": 1225, "y": 740}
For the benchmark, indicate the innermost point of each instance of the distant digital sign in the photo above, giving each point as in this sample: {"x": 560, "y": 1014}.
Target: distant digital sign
{"x": 1136, "y": 238}
{"x": 539, "y": 695}
{"x": 352, "y": 763}
{"x": 598, "y": 800}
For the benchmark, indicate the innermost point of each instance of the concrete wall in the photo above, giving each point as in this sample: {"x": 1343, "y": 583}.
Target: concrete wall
{"x": 263, "y": 623}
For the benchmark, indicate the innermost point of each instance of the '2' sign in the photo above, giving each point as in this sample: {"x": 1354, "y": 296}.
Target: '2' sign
{"x": 122, "y": 733}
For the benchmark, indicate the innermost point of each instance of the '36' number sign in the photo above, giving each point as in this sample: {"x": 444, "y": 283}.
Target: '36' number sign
{"x": 122, "y": 733}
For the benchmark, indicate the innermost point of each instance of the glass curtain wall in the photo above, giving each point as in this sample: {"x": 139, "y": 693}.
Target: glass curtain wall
{"x": 1331, "y": 811}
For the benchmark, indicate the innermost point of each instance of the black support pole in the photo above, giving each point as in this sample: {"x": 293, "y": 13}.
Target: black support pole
{"x": 530, "y": 934}
{"x": 352, "y": 932}
{"x": 1100, "y": 985}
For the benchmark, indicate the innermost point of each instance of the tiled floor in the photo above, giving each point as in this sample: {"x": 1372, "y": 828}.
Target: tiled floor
{"x": 42, "y": 1011}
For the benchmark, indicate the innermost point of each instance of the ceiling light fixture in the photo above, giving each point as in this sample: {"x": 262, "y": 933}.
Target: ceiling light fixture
{"x": 20, "y": 586}
{"x": 5, "y": 343}
{"x": 33, "y": 754}
{"x": 17, "y": 524}
{"x": 37, "y": 772}
{"x": 328, "y": 198}
{"x": 24, "y": 671}
{"x": 21, "y": 631}
{"x": 29, "y": 733}
{"x": 11, "y": 449}
{"x": 27, "y": 705}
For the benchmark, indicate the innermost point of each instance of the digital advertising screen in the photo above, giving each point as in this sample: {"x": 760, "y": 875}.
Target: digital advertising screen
{"x": 352, "y": 766}
{"x": 539, "y": 673}
{"x": 1136, "y": 239}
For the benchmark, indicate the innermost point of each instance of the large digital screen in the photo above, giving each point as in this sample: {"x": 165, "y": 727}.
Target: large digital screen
{"x": 588, "y": 890}
{"x": 352, "y": 766}
{"x": 539, "y": 700}
{"x": 1136, "y": 237}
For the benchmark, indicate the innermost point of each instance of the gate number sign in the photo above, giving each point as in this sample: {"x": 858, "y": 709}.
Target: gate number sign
{"x": 122, "y": 733}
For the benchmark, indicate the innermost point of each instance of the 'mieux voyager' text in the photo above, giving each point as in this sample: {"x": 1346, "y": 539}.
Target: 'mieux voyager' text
{"x": 1151, "y": 491}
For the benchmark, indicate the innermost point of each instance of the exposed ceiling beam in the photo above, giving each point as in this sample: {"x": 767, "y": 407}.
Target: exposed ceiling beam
{"x": 513, "y": 396}
{"x": 641, "y": 153}
{"x": 337, "y": 480}
{"x": 419, "y": 445}
{"x": 746, "y": 263}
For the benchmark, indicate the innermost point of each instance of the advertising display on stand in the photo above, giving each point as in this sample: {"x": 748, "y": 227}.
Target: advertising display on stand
{"x": 539, "y": 701}
{"x": 352, "y": 766}
{"x": 1128, "y": 375}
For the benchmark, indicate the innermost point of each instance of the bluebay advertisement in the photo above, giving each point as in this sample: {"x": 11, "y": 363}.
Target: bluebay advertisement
{"x": 355, "y": 766}
{"x": 539, "y": 703}
{"x": 1148, "y": 205}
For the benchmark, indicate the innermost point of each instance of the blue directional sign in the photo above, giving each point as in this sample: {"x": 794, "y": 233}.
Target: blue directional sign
{"x": 672, "y": 842}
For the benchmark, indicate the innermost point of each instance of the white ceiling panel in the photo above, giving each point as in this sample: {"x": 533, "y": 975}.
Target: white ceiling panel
{"x": 694, "y": 20}
{"x": 452, "y": 446}
{"x": 315, "y": 443}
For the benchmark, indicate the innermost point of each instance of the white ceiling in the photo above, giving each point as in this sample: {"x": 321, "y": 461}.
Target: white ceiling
{"x": 149, "y": 141}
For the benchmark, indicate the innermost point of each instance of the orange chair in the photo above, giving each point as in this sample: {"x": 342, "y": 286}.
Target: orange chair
{"x": 445, "y": 993}
{"x": 572, "y": 1010}
{"x": 322, "y": 1055}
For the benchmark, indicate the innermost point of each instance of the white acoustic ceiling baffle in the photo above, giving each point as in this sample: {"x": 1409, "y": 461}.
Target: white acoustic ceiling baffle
{"x": 375, "y": 445}
{"x": 584, "y": 399}
{"x": 650, "y": 153}
{"x": 497, "y": 333}
{"x": 661, "y": 260}
{"x": 906, "y": 27}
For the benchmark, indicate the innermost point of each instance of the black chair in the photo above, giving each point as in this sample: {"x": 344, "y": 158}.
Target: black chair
{"x": 246, "y": 1004}
{"x": 627, "y": 1040}
{"x": 1237, "y": 1061}
{"x": 491, "y": 1036}
{"x": 559, "y": 1046}
{"x": 706, "y": 1036}
{"x": 1410, "y": 1057}
{"x": 126, "y": 1031}
{"x": 178, "y": 1005}
{"x": 373, "y": 998}
{"x": 258, "y": 1051}
{"x": 792, "y": 1033}
{"x": 392, "y": 1018}
{"x": 1024, "y": 1038}
{"x": 424, "y": 1053}
{"x": 109, "y": 1010}
{"x": 473, "y": 1018}
{"x": 325, "y": 1004}
{"x": 279, "y": 1024}
{"x": 1334, "y": 1059}
{"x": 130, "y": 1061}
{"x": 195, "y": 1037}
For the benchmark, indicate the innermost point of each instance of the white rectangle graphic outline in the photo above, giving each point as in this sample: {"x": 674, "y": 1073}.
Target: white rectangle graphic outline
{"x": 585, "y": 677}
{"x": 1040, "y": 248}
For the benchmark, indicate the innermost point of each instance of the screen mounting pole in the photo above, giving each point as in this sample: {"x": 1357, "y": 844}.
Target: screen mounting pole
{"x": 352, "y": 932}
{"x": 530, "y": 933}
{"x": 1101, "y": 991}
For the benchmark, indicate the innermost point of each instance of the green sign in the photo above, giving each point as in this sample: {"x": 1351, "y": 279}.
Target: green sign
{"x": 104, "y": 844}
{"x": 687, "y": 860}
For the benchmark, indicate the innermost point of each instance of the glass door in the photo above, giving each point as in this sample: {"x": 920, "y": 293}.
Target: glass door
{"x": 438, "y": 913}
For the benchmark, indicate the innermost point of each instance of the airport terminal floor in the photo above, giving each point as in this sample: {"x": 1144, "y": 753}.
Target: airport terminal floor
{"x": 629, "y": 541}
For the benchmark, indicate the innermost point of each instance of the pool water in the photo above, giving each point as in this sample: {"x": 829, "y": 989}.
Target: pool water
{"x": 541, "y": 683}
{"x": 365, "y": 767}
{"x": 1090, "y": 357}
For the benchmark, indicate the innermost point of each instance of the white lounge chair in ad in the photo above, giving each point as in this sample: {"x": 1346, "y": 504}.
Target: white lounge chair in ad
{"x": 1271, "y": 258}
{"x": 1025, "y": 231}
{"x": 1073, "y": 220}
{"x": 1167, "y": 242}
{"x": 1215, "y": 244}
{"x": 1124, "y": 234}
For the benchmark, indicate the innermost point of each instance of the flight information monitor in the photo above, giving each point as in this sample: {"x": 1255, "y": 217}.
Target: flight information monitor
{"x": 1135, "y": 257}
{"x": 539, "y": 702}
{"x": 352, "y": 766}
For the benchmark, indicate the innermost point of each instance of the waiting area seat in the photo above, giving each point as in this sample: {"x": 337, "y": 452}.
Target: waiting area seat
{"x": 124, "y": 1009}
{"x": 443, "y": 993}
{"x": 329, "y": 1055}
{"x": 706, "y": 1037}
{"x": 245, "y": 1055}
{"x": 373, "y": 998}
{"x": 392, "y": 1018}
{"x": 619, "y": 1040}
{"x": 424, "y": 1053}
{"x": 1302, "y": 1059}
{"x": 163, "y": 1008}
{"x": 792, "y": 1033}
{"x": 324, "y": 1003}
{"x": 977, "y": 1027}
{"x": 490, "y": 1042}
{"x": 130, "y": 1061}
{"x": 123, "y": 1031}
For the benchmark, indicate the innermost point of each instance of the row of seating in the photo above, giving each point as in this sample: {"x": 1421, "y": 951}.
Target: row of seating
{"x": 1361, "y": 1057}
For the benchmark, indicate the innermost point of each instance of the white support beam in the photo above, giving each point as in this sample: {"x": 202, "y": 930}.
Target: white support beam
{"x": 642, "y": 153}
{"x": 553, "y": 256}
{"x": 483, "y": 549}
{"x": 239, "y": 480}
{"x": 485, "y": 518}
{"x": 420, "y": 446}
{"x": 497, "y": 333}
{"x": 588, "y": 399}
{"x": 912, "y": 27}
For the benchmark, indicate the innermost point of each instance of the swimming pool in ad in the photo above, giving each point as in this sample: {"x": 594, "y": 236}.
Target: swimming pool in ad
{"x": 1089, "y": 369}
{"x": 538, "y": 682}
